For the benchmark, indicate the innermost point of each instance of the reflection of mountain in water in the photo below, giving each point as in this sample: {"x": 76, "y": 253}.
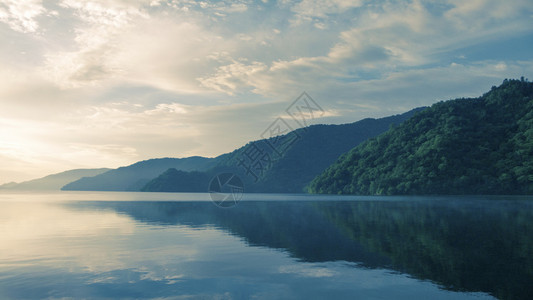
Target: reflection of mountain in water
{"x": 463, "y": 245}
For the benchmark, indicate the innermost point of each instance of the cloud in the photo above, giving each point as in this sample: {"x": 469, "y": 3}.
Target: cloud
{"x": 125, "y": 43}
{"x": 396, "y": 93}
{"x": 232, "y": 77}
{"x": 388, "y": 38}
{"x": 471, "y": 15}
{"x": 307, "y": 10}
{"x": 93, "y": 60}
{"x": 21, "y": 15}
{"x": 168, "y": 54}
{"x": 234, "y": 7}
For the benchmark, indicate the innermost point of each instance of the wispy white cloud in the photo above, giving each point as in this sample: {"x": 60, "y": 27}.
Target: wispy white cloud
{"x": 21, "y": 15}
{"x": 93, "y": 59}
{"x": 232, "y": 77}
{"x": 309, "y": 10}
{"x": 473, "y": 15}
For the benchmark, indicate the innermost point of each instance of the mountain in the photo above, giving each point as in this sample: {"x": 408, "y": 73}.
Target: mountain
{"x": 135, "y": 176}
{"x": 287, "y": 163}
{"x": 465, "y": 146}
{"x": 173, "y": 180}
{"x": 8, "y": 185}
{"x": 54, "y": 181}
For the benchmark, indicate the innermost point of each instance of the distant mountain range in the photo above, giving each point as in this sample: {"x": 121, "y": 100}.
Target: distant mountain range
{"x": 283, "y": 164}
{"x": 465, "y": 146}
{"x": 308, "y": 151}
{"x": 135, "y": 176}
{"x": 54, "y": 181}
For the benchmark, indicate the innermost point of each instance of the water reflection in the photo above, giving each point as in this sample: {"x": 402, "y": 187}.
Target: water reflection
{"x": 266, "y": 250}
{"x": 463, "y": 245}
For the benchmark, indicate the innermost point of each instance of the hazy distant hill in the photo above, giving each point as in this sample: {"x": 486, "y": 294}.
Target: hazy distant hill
{"x": 173, "y": 180}
{"x": 306, "y": 153}
{"x": 464, "y": 146}
{"x": 135, "y": 176}
{"x": 54, "y": 181}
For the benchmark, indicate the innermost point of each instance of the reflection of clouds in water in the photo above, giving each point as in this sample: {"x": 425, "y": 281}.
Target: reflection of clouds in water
{"x": 54, "y": 235}
{"x": 155, "y": 276}
{"x": 307, "y": 271}
{"x": 103, "y": 279}
{"x": 34, "y": 221}
{"x": 93, "y": 241}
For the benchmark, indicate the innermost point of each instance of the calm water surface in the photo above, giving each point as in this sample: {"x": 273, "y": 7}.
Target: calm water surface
{"x": 181, "y": 246}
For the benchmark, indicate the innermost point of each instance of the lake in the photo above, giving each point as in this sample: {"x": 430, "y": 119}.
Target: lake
{"x": 182, "y": 246}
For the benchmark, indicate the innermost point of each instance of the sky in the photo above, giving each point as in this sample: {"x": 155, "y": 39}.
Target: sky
{"x": 106, "y": 83}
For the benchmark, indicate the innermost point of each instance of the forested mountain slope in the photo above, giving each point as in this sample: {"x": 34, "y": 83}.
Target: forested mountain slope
{"x": 464, "y": 146}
